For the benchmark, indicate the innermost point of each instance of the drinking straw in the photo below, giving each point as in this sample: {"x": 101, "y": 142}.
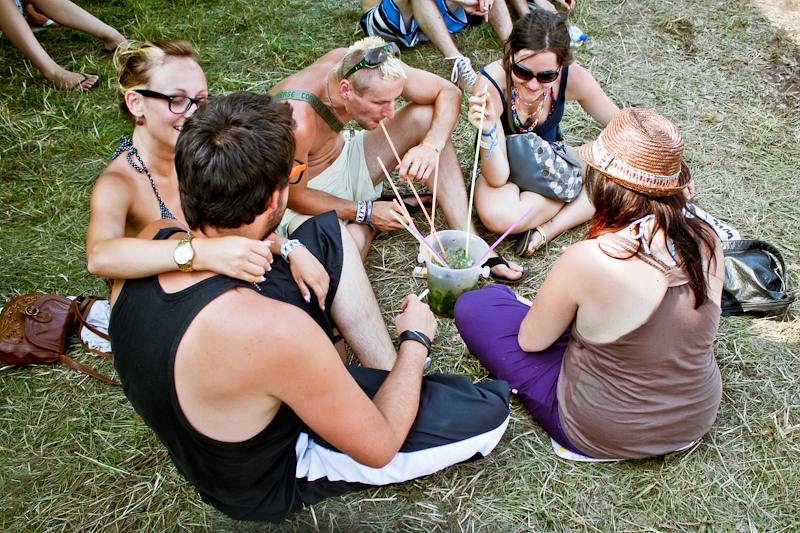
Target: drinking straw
{"x": 475, "y": 165}
{"x": 403, "y": 204}
{"x": 503, "y": 236}
{"x": 413, "y": 189}
{"x": 433, "y": 201}
{"x": 396, "y": 192}
{"x": 415, "y": 232}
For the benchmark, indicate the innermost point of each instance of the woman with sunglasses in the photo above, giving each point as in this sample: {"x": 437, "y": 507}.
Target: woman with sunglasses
{"x": 162, "y": 84}
{"x": 527, "y": 91}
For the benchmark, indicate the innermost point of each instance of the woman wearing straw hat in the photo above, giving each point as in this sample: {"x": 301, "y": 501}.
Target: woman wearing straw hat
{"x": 614, "y": 356}
{"x": 527, "y": 91}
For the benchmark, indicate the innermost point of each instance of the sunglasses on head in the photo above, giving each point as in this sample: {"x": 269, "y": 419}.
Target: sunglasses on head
{"x": 177, "y": 104}
{"x": 526, "y": 74}
{"x": 375, "y": 57}
{"x": 297, "y": 172}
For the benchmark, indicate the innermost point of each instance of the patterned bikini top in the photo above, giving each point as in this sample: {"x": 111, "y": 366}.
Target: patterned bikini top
{"x": 126, "y": 145}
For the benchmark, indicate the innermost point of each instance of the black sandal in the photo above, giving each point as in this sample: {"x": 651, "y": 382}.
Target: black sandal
{"x": 498, "y": 260}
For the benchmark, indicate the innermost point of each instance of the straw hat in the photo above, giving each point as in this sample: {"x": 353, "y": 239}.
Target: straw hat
{"x": 642, "y": 151}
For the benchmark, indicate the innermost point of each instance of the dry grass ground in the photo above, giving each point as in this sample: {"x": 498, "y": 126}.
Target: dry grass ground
{"x": 75, "y": 457}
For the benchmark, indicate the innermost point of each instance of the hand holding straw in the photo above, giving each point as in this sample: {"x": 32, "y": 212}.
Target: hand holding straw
{"x": 475, "y": 165}
{"x": 503, "y": 236}
{"x": 396, "y": 192}
{"x": 415, "y": 232}
{"x": 410, "y": 183}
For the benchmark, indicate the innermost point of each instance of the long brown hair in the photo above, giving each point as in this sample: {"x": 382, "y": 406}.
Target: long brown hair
{"x": 538, "y": 31}
{"x": 616, "y": 207}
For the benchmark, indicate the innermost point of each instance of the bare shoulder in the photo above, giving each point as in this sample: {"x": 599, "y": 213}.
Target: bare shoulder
{"x": 496, "y": 71}
{"x": 116, "y": 179}
{"x": 248, "y": 318}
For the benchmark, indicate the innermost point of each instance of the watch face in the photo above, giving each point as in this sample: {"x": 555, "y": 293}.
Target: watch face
{"x": 184, "y": 253}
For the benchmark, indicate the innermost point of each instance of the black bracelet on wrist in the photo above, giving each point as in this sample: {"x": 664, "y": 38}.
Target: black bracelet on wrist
{"x": 411, "y": 335}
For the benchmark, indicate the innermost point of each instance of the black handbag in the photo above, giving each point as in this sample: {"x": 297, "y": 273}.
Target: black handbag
{"x": 755, "y": 279}
{"x": 543, "y": 167}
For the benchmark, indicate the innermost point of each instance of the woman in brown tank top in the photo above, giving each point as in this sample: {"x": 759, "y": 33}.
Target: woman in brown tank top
{"x": 614, "y": 356}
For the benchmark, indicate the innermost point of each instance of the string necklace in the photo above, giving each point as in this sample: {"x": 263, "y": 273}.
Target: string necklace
{"x": 520, "y": 117}
{"x": 126, "y": 145}
{"x": 328, "y": 96}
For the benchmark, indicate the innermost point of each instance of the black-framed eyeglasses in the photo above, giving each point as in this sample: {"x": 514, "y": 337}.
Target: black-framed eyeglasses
{"x": 526, "y": 74}
{"x": 297, "y": 170}
{"x": 375, "y": 57}
{"x": 179, "y": 104}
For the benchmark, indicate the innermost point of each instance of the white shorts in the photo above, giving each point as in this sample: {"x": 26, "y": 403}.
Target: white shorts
{"x": 348, "y": 177}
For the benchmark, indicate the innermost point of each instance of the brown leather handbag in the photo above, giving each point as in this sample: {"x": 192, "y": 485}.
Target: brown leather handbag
{"x": 33, "y": 331}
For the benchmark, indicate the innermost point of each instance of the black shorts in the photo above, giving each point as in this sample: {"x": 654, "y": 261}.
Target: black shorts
{"x": 322, "y": 236}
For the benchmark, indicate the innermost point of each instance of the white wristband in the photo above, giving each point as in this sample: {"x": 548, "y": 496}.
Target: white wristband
{"x": 288, "y": 246}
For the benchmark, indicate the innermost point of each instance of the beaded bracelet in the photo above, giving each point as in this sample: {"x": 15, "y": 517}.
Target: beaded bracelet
{"x": 361, "y": 213}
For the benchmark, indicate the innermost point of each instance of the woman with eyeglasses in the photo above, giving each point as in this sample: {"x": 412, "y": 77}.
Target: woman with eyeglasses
{"x": 527, "y": 91}
{"x": 162, "y": 84}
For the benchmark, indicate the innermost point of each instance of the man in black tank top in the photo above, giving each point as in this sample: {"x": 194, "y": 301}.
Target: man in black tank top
{"x": 242, "y": 383}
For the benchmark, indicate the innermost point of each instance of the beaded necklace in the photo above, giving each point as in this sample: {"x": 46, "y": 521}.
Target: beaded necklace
{"x": 520, "y": 116}
{"x": 126, "y": 145}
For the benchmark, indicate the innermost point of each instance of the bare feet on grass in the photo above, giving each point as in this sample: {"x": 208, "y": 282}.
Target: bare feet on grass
{"x": 64, "y": 79}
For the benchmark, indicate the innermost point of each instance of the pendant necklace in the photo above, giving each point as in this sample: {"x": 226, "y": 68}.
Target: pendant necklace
{"x": 328, "y": 96}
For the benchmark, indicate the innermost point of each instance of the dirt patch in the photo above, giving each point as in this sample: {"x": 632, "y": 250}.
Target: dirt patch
{"x": 784, "y": 13}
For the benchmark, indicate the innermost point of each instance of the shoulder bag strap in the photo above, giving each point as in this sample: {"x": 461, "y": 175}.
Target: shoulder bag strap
{"x": 80, "y": 307}
{"x": 314, "y": 102}
{"x": 85, "y": 369}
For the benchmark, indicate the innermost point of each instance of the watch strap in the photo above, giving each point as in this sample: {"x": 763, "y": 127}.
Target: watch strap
{"x": 411, "y": 335}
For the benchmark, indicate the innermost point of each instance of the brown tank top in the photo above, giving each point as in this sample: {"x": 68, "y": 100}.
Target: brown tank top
{"x": 651, "y": 391}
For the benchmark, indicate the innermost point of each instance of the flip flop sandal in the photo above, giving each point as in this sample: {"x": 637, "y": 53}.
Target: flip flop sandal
{"x": 525, "y": 239}
{"x": 494, "y": 261}
{"x": 79, "y": 86}
{"x": 426, "y": 198}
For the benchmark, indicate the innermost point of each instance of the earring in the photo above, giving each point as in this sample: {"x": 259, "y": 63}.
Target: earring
{"x": 140, "y": 122}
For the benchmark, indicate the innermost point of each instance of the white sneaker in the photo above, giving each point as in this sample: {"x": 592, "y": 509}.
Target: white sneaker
{"x": 463, "y": 75}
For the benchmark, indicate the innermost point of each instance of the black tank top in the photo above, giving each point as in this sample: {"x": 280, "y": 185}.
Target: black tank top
{"x": 249, "y": 480}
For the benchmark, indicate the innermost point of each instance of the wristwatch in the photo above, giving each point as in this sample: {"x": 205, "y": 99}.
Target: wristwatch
{"x": 183, "y": 254}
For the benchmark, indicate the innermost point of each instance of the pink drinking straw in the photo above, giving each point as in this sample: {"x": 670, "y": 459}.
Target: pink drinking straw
{"x": 503, "y": 236}
{"x": 415, "y": 232}
{"x": 396, "y": 192}
{"x": 411, "y": 184}
{"x": 405, "y": 210}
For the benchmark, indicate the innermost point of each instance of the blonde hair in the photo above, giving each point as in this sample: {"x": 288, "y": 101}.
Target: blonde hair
{"x": 391, "y": 69}
{"x": 135, "y": 61}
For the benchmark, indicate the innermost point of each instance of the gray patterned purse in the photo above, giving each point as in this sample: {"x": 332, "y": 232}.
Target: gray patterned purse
{"x": 543, "y": 167}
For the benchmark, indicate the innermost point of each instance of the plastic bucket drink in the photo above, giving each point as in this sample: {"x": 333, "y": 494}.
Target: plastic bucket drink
{"x": 446, "y": 285}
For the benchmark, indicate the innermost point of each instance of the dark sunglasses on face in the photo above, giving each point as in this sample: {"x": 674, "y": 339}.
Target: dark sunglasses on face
{"x": 526, "y": 74}
{"x": 375, "y": 57}
{"x": 297, "y": 170}
{"x": 177, "y": 104}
